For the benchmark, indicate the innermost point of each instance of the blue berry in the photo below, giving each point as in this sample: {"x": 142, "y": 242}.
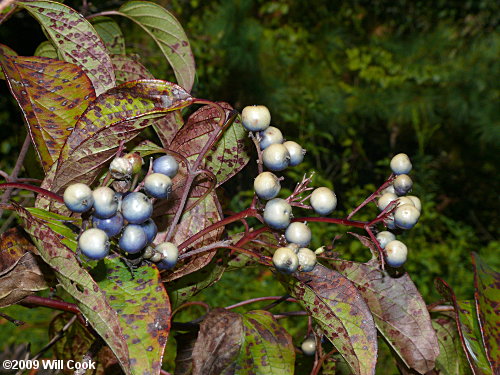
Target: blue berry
{"x": 402, "y": 184}
{"x": 255, "y": 118}
{"x": 277, "y": 213}
{"x": 106, "y": 202}
{"x": 276, "y": 157}
{"x": 158, "y": 185}
{"x": 78, "y": 198}
{"x": 270, "y": 136}
{"x": 133, "y": 239}
{"x": 112, "y": 226}
{"x": 166, "y": 165}
{"x": 296, "y": 152}
{"x": 94, "y": 243}
{"x": 396, "y": 253}
{"x": 136, "y": 208}
{"x": 150, "y": 229}
{"x": 169, "y": 255}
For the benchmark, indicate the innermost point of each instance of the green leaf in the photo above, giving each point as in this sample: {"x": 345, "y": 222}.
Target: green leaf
{"x": 89, "y": 298}
{"x": 399, "y": 312}
{"x": 110, "y": 33}
{"x": 469, "y": 330}
{"x": 46, "y": 49}
{"x": 451, "y": 359}
{"x": 143, "y": 309}
{"x": 75, "y": 39}
{"x": 487, "y": 297}
{"x": 340, "y": 310}
{"x": 4, "y": 50}
{"x": 128, "y": 69}
{"x": 168, "y": 34}
{"x": 251, "y": 343}
{"x": 52, "y": 95}
{"x": 116, "y": 116}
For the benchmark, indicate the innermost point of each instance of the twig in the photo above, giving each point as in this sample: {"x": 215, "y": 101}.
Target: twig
{"x": 291, "y": 313}
{"x": 258, "y": 299}
{"x": 188, "y": 304}
{"x": 372, "y": 196}
{"x": 59, "y": 335}
{"x": 12, "y": 320}
{"x": 36, "y": 189}
{"x": 211, "y": 247}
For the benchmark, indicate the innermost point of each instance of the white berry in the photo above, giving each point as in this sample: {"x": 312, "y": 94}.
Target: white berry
{"x": 401, "y": 164}
{"x": 309, "y": 346}
{"x": 276, "y": 157}
{"x": 402, "y": 184}
{"x": 78, "y": 197}
{"x": 270, "y": 136}
{"x": 296, "y": 152}
{"x": 307, "y": 259}
{"x": 277, "y": 213}
{"x": 298, "y": 233}
{"x": 406, "y": 216}
{"x": 396, "y": 253}
{"x": 285, "y": 260}
{"x": 385, "y": 199}
{"x": 255, "y": 118}
{"x": 416, "y": 201}
{"x": 384, "y": 238}
{"x": 266, "y": 185}
{"x": 323, "y": 201}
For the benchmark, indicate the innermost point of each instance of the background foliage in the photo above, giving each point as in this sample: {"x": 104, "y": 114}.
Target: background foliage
{"x": 355, "y": 82}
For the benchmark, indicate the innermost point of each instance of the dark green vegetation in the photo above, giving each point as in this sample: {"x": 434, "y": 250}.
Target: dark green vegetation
{"x": 355, "y": 82}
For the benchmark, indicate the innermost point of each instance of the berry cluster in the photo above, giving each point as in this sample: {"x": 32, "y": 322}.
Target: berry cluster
{"x": 403, "y": 210}
{"x": 278, "y": 154}
{"x": 125, "y": 215}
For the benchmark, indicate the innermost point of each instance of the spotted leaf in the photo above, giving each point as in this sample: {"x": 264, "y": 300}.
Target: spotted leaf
{"x": 469, "y": 330}
{"x": 89, "y": 298}
{"x": 52, "y": 95}
{"x": 167, "y": 33}
{"x": 338, "y": 307}
{"x": 487, "y": 297}
{"x": 129, "y": 69}
{"x": 143, "y": 311}
{"x": 399, "y": 312}
{"x": 111, "y": 34}
{"x": 76, "y": 40}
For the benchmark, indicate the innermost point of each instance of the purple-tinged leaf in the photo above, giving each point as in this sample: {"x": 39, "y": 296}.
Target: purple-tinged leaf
{"x": 468, "y": 329}
{"x": 168, "y": 34}
{"x": 89, "y": 298}
{"x": 451, "y": 359}
{"x": 399, "y": 312}
{"x": 13, "y": 245}
{"x": 129, "y": 69}
{"x": 340, "y": 310}
{"x": 167, "y": 127}
{"x": 143, "y": 309}
{"x": 116, "y": 116}
{"x": 252, "y": 343}
{"x": 203, "y": 214}
{"x": 52, "y": 95}
{"x": 75, "y": 39}
{"x": 487, "y": 297}
{"x": 46, "y": 49}
{"x": 111, "y": 35}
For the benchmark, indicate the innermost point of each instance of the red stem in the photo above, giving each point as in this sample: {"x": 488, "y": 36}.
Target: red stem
{"x": 258, "y": 299}
{"x": 36, "y": 189}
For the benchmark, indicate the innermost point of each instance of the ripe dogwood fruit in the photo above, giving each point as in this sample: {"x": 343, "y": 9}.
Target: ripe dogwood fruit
{"x": 401, "y": 164}
{"x": 266, "y": 185}
{"x": 136, "y": 208}
{"x": 295, "y": 247}
{"x": 384, "y": 238}
{"x": 112, "y": 225}
{"x": 170, "y": 254}
{"x": 298, "y": 233}
{"x": 385, "y": 199}
{"x": 309, "y": 346}
{"x": 307, "y": 259}
{"x": 402, "y": 184}
{"x": 255, "y": 118}
{"x": 78, "y": 198}
{"x": 276, "y": 157}
{"x": 416, "y": 201}
{"x": 158, "y": 185}
{"x": 406, "y": 216}
{"x": 166, "y": 165}
{"x": 277, "y": 213}
{"x": 269, "y": 136}
{"x": 94, "y": 243}
{"x": 150, "y": 229}
{"x": 121, "y": 168}
{"x": 296, "y": 152}
{"x": 404, "y": 200}
{"x": 388, "y": 189}
{"x": 285, "y": 260}
{"x": 396, "y": 253}
{"x": 133, "y": 239}
{"x": 106, "y": 202}
{"x": 323, "y": 201}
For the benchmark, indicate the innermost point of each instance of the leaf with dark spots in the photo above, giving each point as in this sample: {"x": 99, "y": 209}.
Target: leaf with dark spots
{"x": 205, "y": 213}
{"x": 21, "y": 270}
{"x": 146, "y": 148}
{"x": 52, "y": 95}
{"x": 89, "y": 298}
{"x": 76, "y": 342}
{"x": 111, "y": 35}
{"x": 399, "y": 312}
{"x": 168, "y": 34}
{"x": 339, "y": 308}
{"x": 46, "y": 49}
{"x": 267, "y": 348}
{"x": 487, "y": 297}
{"x": 468, "y": 329}
{"x": 76, "y": 40}
{"x": 228, "y": 156}
{"x": 184, "y": 288}
{"x": 451, "y": 359}
{"x": 185, "y": 345}
{"x": 167, "y": 127}
{"x": 129, "y": 69}
{"x": 219, "y": 342}
{"x": 118, "y": 115}
{"x": 265, "y": 243}
{"x": 143, "y": 311}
